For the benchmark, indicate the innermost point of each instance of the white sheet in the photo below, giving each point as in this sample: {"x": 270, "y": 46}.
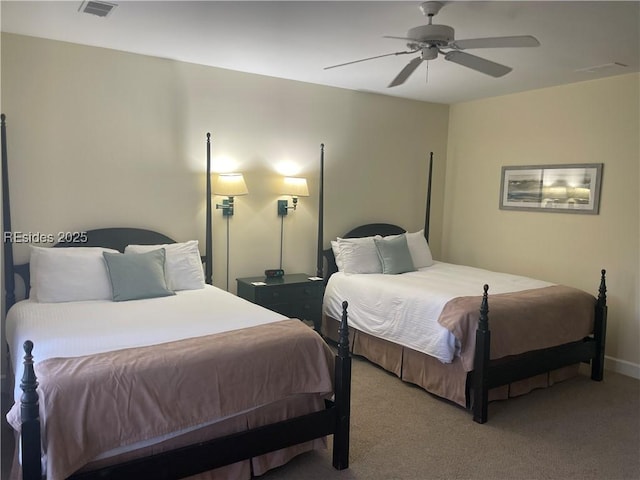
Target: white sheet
{"x": 74, "y": 329}
{"x": 404, "y": 308}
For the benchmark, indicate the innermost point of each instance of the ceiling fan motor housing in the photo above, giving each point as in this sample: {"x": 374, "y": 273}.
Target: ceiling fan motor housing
{"x": 439, "y": 35}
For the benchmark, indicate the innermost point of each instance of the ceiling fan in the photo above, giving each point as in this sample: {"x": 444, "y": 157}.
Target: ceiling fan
{"x": 430, "y": 40}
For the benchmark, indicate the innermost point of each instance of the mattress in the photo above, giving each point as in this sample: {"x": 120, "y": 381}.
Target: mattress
{"x": 73, "y": 329}
{"x": 405, "y": 308}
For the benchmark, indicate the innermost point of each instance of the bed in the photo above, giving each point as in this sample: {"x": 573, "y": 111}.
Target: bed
{"x": 428, "y": 322}
{"x": 135, "y": 367}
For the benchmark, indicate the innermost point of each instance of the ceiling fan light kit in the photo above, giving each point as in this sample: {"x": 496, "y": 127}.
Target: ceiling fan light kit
{"x": 430, "y": 40}
{"x": 439, "y": 35}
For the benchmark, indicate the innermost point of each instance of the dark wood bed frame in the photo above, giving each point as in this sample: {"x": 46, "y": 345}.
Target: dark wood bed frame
{"x": 488, "y": 373}
{"x": 333, "y": 420}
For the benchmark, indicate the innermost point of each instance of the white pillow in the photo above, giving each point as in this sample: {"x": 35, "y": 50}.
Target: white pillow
{"x": 359, "y": 255}
{"x": 183, "y": 265}
{"x": 419, "y": 249}
{"x": 69, "y": 274}
{"x": 336, "y": 254}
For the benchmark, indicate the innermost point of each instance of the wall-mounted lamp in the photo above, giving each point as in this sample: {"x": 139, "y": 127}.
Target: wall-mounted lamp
{"x": 296, "y": 187}
{"x": 229, "y": 185}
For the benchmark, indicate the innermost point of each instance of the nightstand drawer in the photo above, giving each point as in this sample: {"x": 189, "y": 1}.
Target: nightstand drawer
{"x": 293, "y": 293}
{"x": 309, "y": 310}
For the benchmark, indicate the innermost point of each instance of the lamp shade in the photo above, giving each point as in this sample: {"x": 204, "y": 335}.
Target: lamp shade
{"x": 296, "y": 187}
{"x": 230, "y": 185}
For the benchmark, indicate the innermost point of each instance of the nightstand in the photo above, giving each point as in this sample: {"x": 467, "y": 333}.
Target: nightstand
{"x": 293, "y": 295}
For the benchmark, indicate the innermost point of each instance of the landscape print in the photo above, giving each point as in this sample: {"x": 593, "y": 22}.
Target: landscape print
{"x": 573, "y": 188}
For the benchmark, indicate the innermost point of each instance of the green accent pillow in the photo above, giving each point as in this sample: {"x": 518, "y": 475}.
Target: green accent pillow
{"x": 135, "y": 276}
{"x": 394, "y": 254}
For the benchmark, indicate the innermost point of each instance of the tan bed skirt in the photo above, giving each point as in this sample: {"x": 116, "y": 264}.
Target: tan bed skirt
{"x": 243, "y": 470}
{"x": 446, "y": 380}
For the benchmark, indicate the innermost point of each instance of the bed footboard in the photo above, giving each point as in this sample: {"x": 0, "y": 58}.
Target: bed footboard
{"x": 488, "y": 373}
{"x": 186, "y": 461}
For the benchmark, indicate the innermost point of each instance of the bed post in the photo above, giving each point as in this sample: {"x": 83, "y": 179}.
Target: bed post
{"x": 319, "y": 261}
{"x": 9, "y": 279}
{"x": 208, "y": 254}
{"x": 600, "y": 330}
{"x": 30, "y": 419}
{"x": 481, "y": 363}
{"x": 343, "y": 395}
{"x": 427, "y": 216}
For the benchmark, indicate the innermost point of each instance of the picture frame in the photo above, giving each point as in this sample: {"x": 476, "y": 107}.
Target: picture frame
{"x": 568, "y": 188}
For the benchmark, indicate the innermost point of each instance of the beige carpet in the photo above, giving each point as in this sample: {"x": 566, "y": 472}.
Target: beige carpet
{"x": 577, "y": 429}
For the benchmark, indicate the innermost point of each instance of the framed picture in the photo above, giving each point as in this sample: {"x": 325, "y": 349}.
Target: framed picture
{"x": 571, "y": 188}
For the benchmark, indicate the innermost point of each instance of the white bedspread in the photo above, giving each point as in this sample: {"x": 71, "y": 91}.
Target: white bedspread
{"x": 404, "y": 309}
{"x": 81, "y": 328}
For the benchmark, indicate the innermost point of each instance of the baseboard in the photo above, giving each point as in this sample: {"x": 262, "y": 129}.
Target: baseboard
{"x": 622, "y": 366}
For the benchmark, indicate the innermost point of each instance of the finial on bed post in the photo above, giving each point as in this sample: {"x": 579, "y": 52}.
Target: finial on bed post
{"x": 319, "y": 260}
{"x": 208, "y": 254}
{"x": 9, "y": 279}
{"x": 428, "y": 209}
{"x": 602, "y": 291}
{"x": 342, "y": 395}
{"x": 600, "y": 330}
{"x": 30, "y": 419}
{"x": 483, "y": 323}
{"x": 343, "y": 333}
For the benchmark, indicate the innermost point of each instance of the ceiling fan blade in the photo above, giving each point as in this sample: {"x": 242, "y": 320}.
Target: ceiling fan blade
{"x": 370, "y": 58}
{"x": 476, "y": 63}
{"x": 414, "y": 40}
{"x": 496, "y": 42}
{"x": 405, "y": 72}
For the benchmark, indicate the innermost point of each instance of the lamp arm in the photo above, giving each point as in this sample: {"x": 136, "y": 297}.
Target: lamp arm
{"x": 226, "y": 206}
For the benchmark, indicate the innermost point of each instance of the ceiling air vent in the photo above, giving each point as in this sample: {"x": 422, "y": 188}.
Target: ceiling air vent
{"x": 100, "y": 9}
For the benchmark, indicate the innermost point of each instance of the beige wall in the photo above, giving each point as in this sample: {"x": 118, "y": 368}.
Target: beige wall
{"x": 588, "y": 122}
{"x": 103, "y": 138}
{"x": 100, "y": 137}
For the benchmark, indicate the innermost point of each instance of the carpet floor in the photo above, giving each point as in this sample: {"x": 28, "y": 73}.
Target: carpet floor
{"x": 577, "y": 429}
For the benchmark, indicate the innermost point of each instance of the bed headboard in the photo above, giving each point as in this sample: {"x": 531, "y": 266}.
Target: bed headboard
{"x": 117, "y": 238}
{"x": 368, "y": 230}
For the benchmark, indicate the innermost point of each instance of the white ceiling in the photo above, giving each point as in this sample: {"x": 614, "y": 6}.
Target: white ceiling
{"x": 296, "y": 39}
